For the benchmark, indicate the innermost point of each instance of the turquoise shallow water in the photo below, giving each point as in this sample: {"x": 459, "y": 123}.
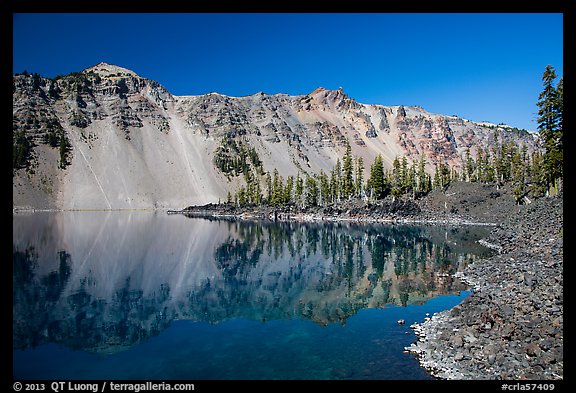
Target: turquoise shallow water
{"x": 148, "y": 296}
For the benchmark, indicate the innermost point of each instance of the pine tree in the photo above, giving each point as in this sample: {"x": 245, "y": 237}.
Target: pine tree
{"x": 560, "y": 108}
{"x": 336, "y": 181}
{"x": 507, "y": 151}
{"x": 548, "y": 103}
{"x": 359, "y": 177}
{"x": 411, "y": 182}
{"x": 454, "y": 175}
{"x": 277, "y": 189}
{"x": 549, "y": 125}
{"x": 517, "y": 174}
{"x": 347, "y": 169}
{"x": 376, "y": 184}
{"x": 470, "y": 165}
{"x": 311, "y": 192}
{"x": 484, "y": 167}
{"x": 446, "y": 174}
{"x": 442, "y": 175}
{"x": 502, "y": 155}
{"x": 480, "y": 173}
{"x": 423, "y": 177}
{"x": 287, "y": 197}
{"x": 254, "y": 189}
{"x": 397, "y": 178}
{"x": 242, "y": 198}
{"x": 268, "y": 181}
{"x": 437, "y": 179}
{"x": 324, "y": 188}
{"x": 526, "y": 163}
{"x": 405, "y": 176}
{"x": 249, "y": 186}
{"x": 538, "y": 175}
{"x": 299, "y": 190}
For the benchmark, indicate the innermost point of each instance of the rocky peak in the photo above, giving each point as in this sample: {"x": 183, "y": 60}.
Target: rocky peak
{"x": 109, "y": 70}
{"x": 322, "y": 93}
{"x": 336, "y": 99}
{"x": 318, "y": 90}
{"x": 114, "y": 80}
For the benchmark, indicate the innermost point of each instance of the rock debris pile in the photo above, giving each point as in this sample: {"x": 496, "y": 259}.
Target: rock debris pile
{"x": 511, "y": 327}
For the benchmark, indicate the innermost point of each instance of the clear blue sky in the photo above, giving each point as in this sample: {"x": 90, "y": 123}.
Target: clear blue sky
{"x": 477, "y": 66}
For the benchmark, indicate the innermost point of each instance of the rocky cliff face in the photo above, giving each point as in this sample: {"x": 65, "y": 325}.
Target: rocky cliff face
{"x": 106, "y": 138}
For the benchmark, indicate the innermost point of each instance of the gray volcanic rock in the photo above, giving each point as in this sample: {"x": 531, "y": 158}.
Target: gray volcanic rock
{"x": 512, "y": 325}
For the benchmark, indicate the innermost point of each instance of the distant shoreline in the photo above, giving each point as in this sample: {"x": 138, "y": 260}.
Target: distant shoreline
{"x": 303, "y": 217}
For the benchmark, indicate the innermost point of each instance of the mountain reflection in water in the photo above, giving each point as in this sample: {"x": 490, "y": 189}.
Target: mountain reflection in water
{"x": 105, "y": 281}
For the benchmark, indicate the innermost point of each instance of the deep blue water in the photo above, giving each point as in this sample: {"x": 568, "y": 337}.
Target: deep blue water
{"x": 369, "y": 346}
{"x": 148, "y": 296}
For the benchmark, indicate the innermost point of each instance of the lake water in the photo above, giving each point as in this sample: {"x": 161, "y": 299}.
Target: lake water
{"x": 146, "y": 295}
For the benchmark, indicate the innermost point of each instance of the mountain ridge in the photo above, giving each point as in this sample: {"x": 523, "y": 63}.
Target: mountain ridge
{"x": 133, "y": 144}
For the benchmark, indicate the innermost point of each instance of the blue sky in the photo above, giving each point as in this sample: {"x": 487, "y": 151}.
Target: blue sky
{"x": 477, "y": 66}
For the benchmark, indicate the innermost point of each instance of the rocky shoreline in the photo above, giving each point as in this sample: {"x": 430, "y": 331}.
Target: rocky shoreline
{"x": 511, "y": 327}
{"x": 376, "y": 213}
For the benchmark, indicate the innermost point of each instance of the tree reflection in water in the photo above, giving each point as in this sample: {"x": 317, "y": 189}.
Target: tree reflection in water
{"x": 325, "y": 272}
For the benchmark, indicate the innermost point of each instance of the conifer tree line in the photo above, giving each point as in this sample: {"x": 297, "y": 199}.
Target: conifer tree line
{"x": 530, "y": 174}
